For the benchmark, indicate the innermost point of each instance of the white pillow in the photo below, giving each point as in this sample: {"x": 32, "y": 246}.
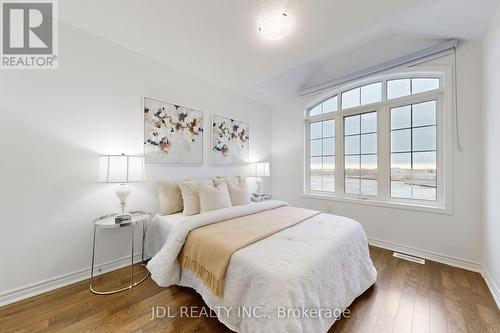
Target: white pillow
{"x": 190, "y": 196}
{"x": 239, "y": 193}
{"x": 169, "y": 197}
{"x": 212, "y": 198}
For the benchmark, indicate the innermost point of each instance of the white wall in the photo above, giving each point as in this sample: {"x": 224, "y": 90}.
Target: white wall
{"x": 491, "y": 178}
{"x": 53, "y": 124}
{"x": 458, "y": 235}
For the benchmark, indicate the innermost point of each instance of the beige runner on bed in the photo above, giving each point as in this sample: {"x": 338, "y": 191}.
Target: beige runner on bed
{"x": 208, "y": 249}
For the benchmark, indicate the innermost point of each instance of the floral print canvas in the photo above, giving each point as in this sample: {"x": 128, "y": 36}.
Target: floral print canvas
{"x": 230, "y": 141}
{"x": 173, "y": 134}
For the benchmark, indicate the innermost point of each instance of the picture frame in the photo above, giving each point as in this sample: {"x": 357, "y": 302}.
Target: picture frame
{"x": 230, "y": 141}
{"x": 173, "y": 134}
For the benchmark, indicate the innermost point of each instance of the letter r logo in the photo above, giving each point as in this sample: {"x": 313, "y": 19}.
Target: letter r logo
{"x": 27, "y": 28}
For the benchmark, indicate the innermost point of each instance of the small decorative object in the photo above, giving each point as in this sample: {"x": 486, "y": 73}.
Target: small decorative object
{"x": 173, "y": 134}
{"x": 261, "y": 198}
{"x": 259, "y": 170}
{"x": 121, "y": 169}
{"x": 230, "y": 141}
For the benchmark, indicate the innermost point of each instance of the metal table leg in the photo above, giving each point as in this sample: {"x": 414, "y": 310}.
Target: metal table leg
{"x": 132, "y": 283}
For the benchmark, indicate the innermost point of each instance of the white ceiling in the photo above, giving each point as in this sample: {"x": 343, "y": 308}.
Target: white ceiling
{"x": 217, "y": 40}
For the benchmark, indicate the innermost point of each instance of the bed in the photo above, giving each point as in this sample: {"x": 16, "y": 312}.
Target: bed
{"x": 298, "y": 279}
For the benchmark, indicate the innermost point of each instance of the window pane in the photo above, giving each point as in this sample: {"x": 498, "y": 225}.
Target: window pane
{"x": 351, "y": 125}
{"x": 398, "y": 88}
{"x": 371, "y": 93}
{"x": 369, "y": 174}
{"x": 315, "y": 181}
{"x": 352, "y": 174}
{"x": 328, "y": 164}
{"x": 329, "y": 128}
{"x": 315, "y": 130}
{"x": 369, "y": 122}
{"x": 329, "y": 146}
{"x": 424, "y": 176}
{"x": 351, "y": 145}
{"x": 315, "y": 167}
{"x": 330, "y": 105}
{"x": 315, "y": 147}
{"x": 400, "y": 140}
{"x": 369, "y": 144}
{"x": 315, "y": 110}
{"x": 400, "y": 166}
{"x": 400, "y": 189}
{"x": 368, "y": 186}
{"x": 419, "y": 85}
{"x": 424, "y": 114}
{"x": 352, "y": 166}
{"x": 328, "y": 178}
{"x": 401, "y": 117}
{"x": 350, "y": 98}
{"x": 401, "y": 175}
{"x": 352, "y": 185}
{"x": 424, "y": 138}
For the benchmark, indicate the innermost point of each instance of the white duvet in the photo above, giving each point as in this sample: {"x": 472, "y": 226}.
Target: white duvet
{"x": 292, "y": 281}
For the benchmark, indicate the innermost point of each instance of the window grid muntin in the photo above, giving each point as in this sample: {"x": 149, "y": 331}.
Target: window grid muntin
{"x": 322, "y": 156}
{"x": 412, "y": 151}
{"x": 361, "y": 154}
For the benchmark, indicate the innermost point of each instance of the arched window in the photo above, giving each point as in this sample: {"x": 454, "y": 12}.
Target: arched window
{"x": 380, "y": 140}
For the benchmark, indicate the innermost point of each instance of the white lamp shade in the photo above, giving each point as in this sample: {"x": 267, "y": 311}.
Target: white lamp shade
{"x": 259, "y": 169}
{"x": 121, "y": 169}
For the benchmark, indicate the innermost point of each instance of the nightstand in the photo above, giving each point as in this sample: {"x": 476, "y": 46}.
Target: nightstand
{"x": 108, "y": 222}
{"x": 260, "y": 198}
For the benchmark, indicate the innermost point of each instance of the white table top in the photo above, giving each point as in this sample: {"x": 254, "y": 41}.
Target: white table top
{"x": 108, "y": 221}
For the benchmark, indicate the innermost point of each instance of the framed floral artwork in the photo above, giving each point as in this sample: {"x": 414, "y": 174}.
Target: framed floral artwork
{"x": 230, "y": 141}
{"x": 173, "y": 134}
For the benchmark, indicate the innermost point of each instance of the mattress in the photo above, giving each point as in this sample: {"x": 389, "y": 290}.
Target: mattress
{"x": 158, "y": 230}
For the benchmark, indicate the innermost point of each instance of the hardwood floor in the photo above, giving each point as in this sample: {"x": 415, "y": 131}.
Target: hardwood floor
{"x": 407, "y": 297}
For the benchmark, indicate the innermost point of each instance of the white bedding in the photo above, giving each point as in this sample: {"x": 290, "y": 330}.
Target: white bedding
{"x": 322, "y": 263}
{"x": 158, "y": 230}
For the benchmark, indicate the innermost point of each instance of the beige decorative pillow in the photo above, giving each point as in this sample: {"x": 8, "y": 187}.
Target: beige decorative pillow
{"x": 190, "y": 196}
{"x": 212, "y": 198}
{"x": 169, "y": 197}
{"x": 239, "y": 193}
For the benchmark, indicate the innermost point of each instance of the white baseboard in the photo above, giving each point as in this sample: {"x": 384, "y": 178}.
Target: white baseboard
{"x": 495, "y": 290}
{"x": 429, "y": 255}
{"x": 33, "y": 289}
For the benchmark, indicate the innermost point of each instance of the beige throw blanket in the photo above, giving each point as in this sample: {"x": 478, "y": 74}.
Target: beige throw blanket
{"x": 208, "y": 249}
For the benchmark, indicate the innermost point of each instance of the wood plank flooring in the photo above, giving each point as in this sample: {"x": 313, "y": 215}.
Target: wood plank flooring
{"x": 407, "y": 297}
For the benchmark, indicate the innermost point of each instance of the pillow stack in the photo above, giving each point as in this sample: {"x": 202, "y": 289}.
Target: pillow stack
{"x": 195, "y": 197}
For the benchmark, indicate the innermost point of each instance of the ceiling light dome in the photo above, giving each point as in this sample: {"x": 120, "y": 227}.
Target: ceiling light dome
{"x": 275, "y": 26}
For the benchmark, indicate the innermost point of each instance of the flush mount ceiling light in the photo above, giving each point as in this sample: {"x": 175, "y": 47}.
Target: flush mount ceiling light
{"x": 275, "y": 26}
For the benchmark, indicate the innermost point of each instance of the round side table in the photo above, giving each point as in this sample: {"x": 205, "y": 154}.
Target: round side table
{"x": 108, "y": 222}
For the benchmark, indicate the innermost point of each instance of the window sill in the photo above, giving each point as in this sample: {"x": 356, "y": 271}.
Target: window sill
{"x": 386, "y": 204}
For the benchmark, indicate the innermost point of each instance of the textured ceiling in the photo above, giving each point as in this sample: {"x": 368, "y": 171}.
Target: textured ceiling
{"x": 217, "y": 40}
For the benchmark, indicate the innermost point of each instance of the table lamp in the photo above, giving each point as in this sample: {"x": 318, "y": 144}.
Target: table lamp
{"x": 121, "y": 169}
{"x": 259, "y": 170}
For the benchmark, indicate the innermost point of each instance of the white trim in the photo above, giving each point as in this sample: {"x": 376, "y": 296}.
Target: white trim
{"x": 397, "y": 204}
{"x": 37, "y": 288}
{"x": 494, "y": 289}
{"x": 429, "y": 255}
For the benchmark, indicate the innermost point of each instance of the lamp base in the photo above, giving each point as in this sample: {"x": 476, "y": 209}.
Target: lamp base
{"x": 122, "y": 191}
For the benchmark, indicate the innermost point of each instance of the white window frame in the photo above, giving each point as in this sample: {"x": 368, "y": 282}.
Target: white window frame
{"x": 444, "y": 140}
